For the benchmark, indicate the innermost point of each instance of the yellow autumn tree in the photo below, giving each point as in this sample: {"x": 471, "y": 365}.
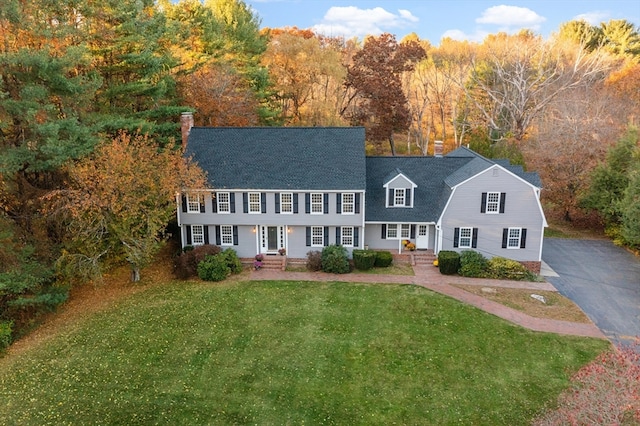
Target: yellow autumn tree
{"x": 119, "y": 202}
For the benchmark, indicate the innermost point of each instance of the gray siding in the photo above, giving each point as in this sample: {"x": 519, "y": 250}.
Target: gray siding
{"x": 522, "y": 210}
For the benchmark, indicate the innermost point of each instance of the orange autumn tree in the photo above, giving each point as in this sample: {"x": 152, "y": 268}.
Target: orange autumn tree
{"x": 119, "y": 202}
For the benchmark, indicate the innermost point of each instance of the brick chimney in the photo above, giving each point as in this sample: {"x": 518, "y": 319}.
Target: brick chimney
{"x": 186, "y": 123}
{"x": 438, "y": 149}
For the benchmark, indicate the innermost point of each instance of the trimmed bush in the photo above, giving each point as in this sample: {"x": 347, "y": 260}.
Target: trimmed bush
{"x": 472, "y": 264}
{"x": 384, "y": 259}
{"x": 364, "y": 259}
{"x": 232, "y": 260}
{"x": 507, "y": 269}
{"x": 335, "y": 259}
{"x": 448, "y": 262}
{"x": 314, "y": 261}
{"x": 5, "y": 334}
{"x": 186, "y": 264}
{"x": 213, "y": 268}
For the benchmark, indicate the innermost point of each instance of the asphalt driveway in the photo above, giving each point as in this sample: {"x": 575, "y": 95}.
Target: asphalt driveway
{"x": 601, "y": 278}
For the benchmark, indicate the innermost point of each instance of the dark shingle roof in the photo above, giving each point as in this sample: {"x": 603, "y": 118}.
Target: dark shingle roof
{"x": 429, "y": 173}
{"x": 305, "y": 158}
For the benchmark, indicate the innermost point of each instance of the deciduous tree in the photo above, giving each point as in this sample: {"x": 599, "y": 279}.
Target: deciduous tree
{"x": 120, "y": 201}
{"x": 376, "y": 79}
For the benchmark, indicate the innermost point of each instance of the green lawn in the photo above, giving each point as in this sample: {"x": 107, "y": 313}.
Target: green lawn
{"x": 274, "y": 353}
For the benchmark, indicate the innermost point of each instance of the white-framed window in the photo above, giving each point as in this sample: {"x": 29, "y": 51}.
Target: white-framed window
{"x": 197, "y": 235}
{"x": 226, "y": 235}
{"x": 193, "y": 203}
{"x": 493, "y": 202}
{"x": 346, "y": 236}
{"x": 317, "y": 202}
{"x": 399, "y": 195}
{"x": 392, "y": 231}
{"x": 513, "y": 238}
{"x": 286, "y": 202}
{"x": 465, "y": 237}
{"x": 405, "y": 231}
{"x": 223, "y": 200}
{"x": 348, "y": 203}
{"x": 254, "y": 202}
{"x": 317, "y": 236}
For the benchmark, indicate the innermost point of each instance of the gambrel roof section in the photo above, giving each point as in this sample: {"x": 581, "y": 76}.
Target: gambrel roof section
{"x": 280, "y": 158}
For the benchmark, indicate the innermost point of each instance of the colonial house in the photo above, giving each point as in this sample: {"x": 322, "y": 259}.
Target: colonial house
{"x": 303, "y": 188}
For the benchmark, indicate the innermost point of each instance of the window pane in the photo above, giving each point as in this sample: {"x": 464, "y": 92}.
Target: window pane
{"x": 254, "y": 202}
{"x": 465, "y": 237}
{"x": 347, "y": 235}
{"x": 406, "y": 231}
{"x": 392, "y": 231}
{"x": 286, "y": 203}
{"x": 197, "y": 235}
{"x": 493, "y": 202}
{"x": 317, "y": 236}
{"x": 514, "y": 238}
{"x": 193, "y": 203}
{"x": 226, "y": 235}
{"x": 223, "y": 202}
{"x": 348, "y": 203}
{"x": 316, "y": 203}
{"x": 399, "y": 197}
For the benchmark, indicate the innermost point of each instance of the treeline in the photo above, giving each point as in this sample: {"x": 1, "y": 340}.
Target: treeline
{"x": 91, "y": 94}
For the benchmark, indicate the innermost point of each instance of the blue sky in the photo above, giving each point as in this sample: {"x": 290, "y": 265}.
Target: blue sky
{"x": 432, "y": 20}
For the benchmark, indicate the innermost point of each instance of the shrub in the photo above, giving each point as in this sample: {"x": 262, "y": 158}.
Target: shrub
{"x": 364, "y": 259}
{"x": 384, "y": 259}
{"x": 5, "y": 334}
{"x": 213, "y": 268}
{"x": 335, "y": 259}
{"x": 314, "y": 261}
{"x": 448, "y": 262}
{"x": 501, "y": 268}
{"x": 186, "y": 264}
{"x": 472, "y": 264}
{"x": 232, "y": 260}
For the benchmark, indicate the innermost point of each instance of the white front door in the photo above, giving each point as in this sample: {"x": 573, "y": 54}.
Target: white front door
{"x": 271, "y": 238}
{"x": 422, "y": 238}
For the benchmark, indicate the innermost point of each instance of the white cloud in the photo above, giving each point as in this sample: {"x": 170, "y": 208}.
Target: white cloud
{"x": 593, "y": 18}
{"x": 351, "y": 21}
{"x": 460, "y": 35}
{"x": 511, "y": 18}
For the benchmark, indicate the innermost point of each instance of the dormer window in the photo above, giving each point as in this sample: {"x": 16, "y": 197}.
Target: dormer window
{"x": 399, "y": 197}
{"x": 399, "y": 189}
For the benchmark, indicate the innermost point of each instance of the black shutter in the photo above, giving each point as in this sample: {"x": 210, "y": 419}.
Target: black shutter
{"x": 189, "y": 241}
{"x": 357, "y": 203}
{"x": 503, "y": 198}
{"x": 232, "y": 202}
{"x": 384, "y": 232}
{"x": 407, "y": 198}
{"x": 325, "y": 208}
{"x": 295, "y": 203}
{"x": 413, "y": 232}
{"x": 356, "y": 242}
{"x": 184, "y": 204}
{"x": 456, "y": 237}
{"x": 337, "y": 235}
{"x": 523, "y": 237}
{"x": 263, "y": 202}
{"x": 201, "y": 203}
{"x": 505, "y": 235}
{"x": 217, "y": 235}
{"x": 205, "y": 229}
{"x": 392, "y": 200}
{"x": 326, "y": 235}
{"x": 245, "y": 202}
{"x": 235, "y": 235}
{"x": 214, "y": 203}
{"x": 277, "y": 202}
{"x": 474, "y": 238}
{"x": 338, "y": 203}
{"x": 308, "y": 236}
{"x": 307, "y": 203}
{"x": 483, "y": 204}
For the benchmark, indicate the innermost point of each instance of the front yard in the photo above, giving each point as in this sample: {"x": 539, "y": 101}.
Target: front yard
{"x": 289, "y": 353}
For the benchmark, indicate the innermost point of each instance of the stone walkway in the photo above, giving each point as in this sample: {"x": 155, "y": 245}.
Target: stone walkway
{"x": 429, "y": 277}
